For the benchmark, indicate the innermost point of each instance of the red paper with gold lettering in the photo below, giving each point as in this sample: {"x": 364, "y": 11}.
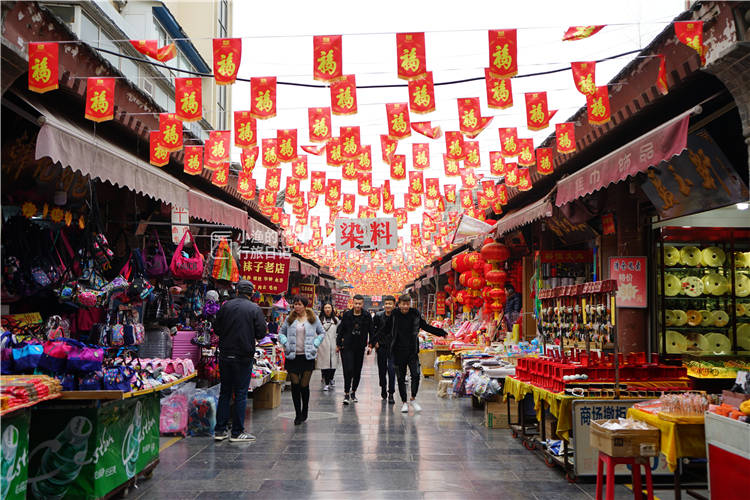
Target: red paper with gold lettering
{"x": 220, "y": 177}
{"x": 364, "y": 160}
{"x": 146, "y": 47}
{"x": 349, "y": 203}
{"x": 398, "y": 167}
{"x": 269, "y": 152}
{"x": 334, "y": 157}
{"x": 466, "y": 198}
{"x": 497, "y": 164}
{"x": 373, "y": 199}
{"x": 537, "y": 113}
{"x": 410, "y": 55}
{"x": 482, "y": 202}
{"x": 43, "y": 66}
{"x": 524, "y": 179}
{"x": 526, "y": 157}
{"x": 427, "y": 130}
{"x": 691, "y": 34}
{"x": 188, "y": 99}
{"x": 387, "y": 205}
{"x": 584, "y": 76}
{"x": 193, "y": 162}
{"x": 499, "y": 91}
{"x": 319, "y": 124}
{"x": 292, "y": 191}
{"x": 416, "y": 182}
{"x": 420, "y": 155}
{"x": 344, "y": 96}
{"x": 217, "y": 149}
{"x": 544, "y": 161}
{"x": 597, "y": 106}
{"x": 245, "y": 183}
{"x": 581, "y": 32}
{"x": 451, "y": 167}
{"x": 661, "y": 76}
{"x": 158, "y": 154}
{"x": 166, "y": 53}
{"x": 312, "y": 199}
{"x": 416, "y": 238}
{"x": 432, "y": 188}
{"x": 245, "y": 130}
{"x": 299, "y": 167}
{"x": 503, "y": 48}
{"x": 170, "y": 128}
{"x": 317, "y": 182}
{"x": 286, "y": 144}
{"x": 422, "y": 94}
{"x": 401, "y": 216}
{"x": 508, "y": 141}
{"x": 388, "y": 148}
{"x": 248, "y": 159}
{"x": 314, "y": 150}
{"x": 349, "y": 170}
{"x": 413, "y": 201}
{"x": 511, "y": 174}
{"x": 398, "y": 120}
{"x": 333, "y": 192}
{"x": 469, "y": 178}
{"x": 488, "y": 189}
{"x": 450, "y": 193}
{"x": 454, "y": 145}
{"x": 470, "y": 120}
{"x": 471, "y": 154}
{"x": 268, "y": 272}
{"x": 364, "y": 184}
{"x": 565, "y": 137}
{"x": 350, "y": 142}
{"x": 263, "y": 97}
{"x": 227, "y": 55}
{"x": 273, "y": 179}
{"x": 100, "y": 99}
{"x": 501, "y": 194}
{"x": 327, "y": 53}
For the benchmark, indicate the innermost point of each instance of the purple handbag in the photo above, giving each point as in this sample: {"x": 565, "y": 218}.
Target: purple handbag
{"x": 155, "y": 260}
{"x": 86, "y": 359}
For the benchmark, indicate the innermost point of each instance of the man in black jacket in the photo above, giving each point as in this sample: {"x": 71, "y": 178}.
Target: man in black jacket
{"x": 405, "y": 348}
{"x": 238, "y": 324}
{"x": 352, "y": 338}
{"x": 382, "y": 344}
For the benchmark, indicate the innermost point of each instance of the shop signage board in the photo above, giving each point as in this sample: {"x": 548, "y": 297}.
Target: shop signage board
{"x": 268, "y": 271}
{"x": 84, "y": 452}
{"x": 630, "y": 273}
{"x": 440, "y": 303}
{"x": 307, "y": 290}
{"x": 586, "y": 410}
{"x": 180, "y": 221}
{"x": 558, "y": 256}
{"x": 340, "y": 300}
{"x": 15, "y": 455}
{"x": 366, "y": 234}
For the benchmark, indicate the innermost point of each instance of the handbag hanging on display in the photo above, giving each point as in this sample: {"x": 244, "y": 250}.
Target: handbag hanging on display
{"x": 224, "y": 265}
{"x": 155, "y": 260}
{"x": 188, "y": 268}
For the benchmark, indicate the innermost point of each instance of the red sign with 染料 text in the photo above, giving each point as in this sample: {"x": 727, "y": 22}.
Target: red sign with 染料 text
{"x": 630, "y": 273}
{"x": 269, "y": 272}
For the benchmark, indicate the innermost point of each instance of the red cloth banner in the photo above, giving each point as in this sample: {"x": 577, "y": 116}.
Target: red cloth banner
{"x": 268, "y": 272}
{"x": 511, "y": 174}
{"x": 537, "y": 113}
{"x": 364, "y": 160}
{"x": 597, "y": 106}
{"x": 499, "y": 91}
{"x": 450, "y": 166}
{"x": 565, "y": 137}
{"x": 398, "y": 120}
{"x": 432, "y": 188}
{"x": 158, "y": 154}
{"x": 501, "y": 194}
{"x": 422, "y": 94}
{"x": 188, "y": 99}
{"x": 317, "y": 182}
{"x": 270, "y": 153}
{"x": 584, "y": 76}
{"x": 193, "y": 162}
{"x": 410, "y": 55}
{"x": 450, "y": 193}
{"x": 220, "y": 177}
{"x": 349, "y": 203}
{"x": 581, "y": 32}
{"x": 248, "y": 158}
{"x": 349, "y": 170}
{"x": 482, "y": 202}
{"x": 245, "y": 184}
{"x": 661, "y": 76}
{"x": 227, "y": 55}
{"x": 416, "y": 182}
{"x": 292, "y": 190}
{"x": 319, "y": 123}
{"x": 524, "y": 179}
{"x": 691, "y": 34}
{"x": 630, "y": 273}
{"x": 470, "y": 120}
{"x": 488, "y": 189}
{"x": 166, "y": 53}
{"x": 263, "y": 97}
{"x": 508, "y": 141}
{"x": 100, "y": 99}
{"x": 373, "y": 199}
{"x": 466, "y": 197}
{"x": 497, "y": 164}
{"x": 427, "y": 130}
{"x": 398, "y": 167}
{"x": 333, "y": 192}
{"x": 146, "y": 47}
{"x": 420, "y": 156}
{"x": 333, "y": 152}
{"x": 314, "y": 150}
{"x": 327, "y": 54}
{"x": 350, "y": 142}
{"x": 544, "y": 161}
{"x": 471, "y": 154}
{"x": 217, "y": 149}
{"x": 526, "y": 156}
{"x": 43, "y": 66}
{"x": 469, "y": 179}
{"x": 170, "y": 128}
{"x": 344, "y": 96}
{"x": 273, "y": 179}
{"x": 299, "y": 167}
{"x": 454, "y": 145}
{"x": 286, "y": 144}
{"x": 503, "y": 48}
{"x": 388, "y": 148}
{"x": 245, "y": 130}
{"x": 364, "y": 184}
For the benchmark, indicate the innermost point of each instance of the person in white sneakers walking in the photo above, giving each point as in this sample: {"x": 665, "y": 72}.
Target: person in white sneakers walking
{"x": 407, "y": 322}
{"x": 327, "y": 359}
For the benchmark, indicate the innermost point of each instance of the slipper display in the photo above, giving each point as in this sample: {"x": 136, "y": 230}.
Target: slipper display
{"x": 740, "y": 309}
{"x": 671, "y": 256}
{"x": 741, "y": 285}
{"x": 672, "y": 285}
{"x": 676, "y": 342}
{"x": 690, "y": 256}
{"x": 718, "y": 342}
{"x": 719, "y": 318}
{"x": 669, "y": 317}
{"x": 743, "y": 336}
{"x": 713, "y": 257}
{"x": 716, "y": 284}
{"x": 740, "y": 259}
{"x": 692, "y": 286}
{"x": 706, "y": 318}
{"x": 680, "y": 317}
{"x": 694, "y": 318}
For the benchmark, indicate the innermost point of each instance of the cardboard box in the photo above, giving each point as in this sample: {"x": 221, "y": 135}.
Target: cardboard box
{"x": 447, "y": 365}
{"x": 427, "y": 361}
{"x": 496, "y": 414}
{"x": 267, "y": 396}
{"x": 625, "y": 442}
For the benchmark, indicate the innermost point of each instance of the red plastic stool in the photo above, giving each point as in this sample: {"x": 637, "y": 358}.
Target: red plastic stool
{"x": 635, "y": 463}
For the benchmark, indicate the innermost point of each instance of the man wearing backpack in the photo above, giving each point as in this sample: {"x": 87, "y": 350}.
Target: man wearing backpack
{"x": 239, "y": 323}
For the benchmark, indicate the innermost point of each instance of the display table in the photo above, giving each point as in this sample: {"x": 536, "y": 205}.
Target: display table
{"x": 113, "y": 395}
{"x": 559, "y": 403}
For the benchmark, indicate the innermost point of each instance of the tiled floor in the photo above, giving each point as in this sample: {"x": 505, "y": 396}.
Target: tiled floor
{"x": 368, "y": 450}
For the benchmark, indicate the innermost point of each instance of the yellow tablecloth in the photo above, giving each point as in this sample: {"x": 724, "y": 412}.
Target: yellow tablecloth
{"x": 560, "y": 405}
{"x": 677, "y": 440}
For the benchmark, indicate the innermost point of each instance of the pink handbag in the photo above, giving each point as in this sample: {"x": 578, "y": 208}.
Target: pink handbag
{"x": 188, "y": 268}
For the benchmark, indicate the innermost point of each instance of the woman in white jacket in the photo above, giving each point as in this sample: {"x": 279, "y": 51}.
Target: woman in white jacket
{"x": 327, "y": 359}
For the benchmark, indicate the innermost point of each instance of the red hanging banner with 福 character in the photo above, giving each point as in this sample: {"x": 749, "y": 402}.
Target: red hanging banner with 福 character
{"x": 469, "y": 179}
{"x": 333, "y": 192}
{"x": 248, "y": 159}
{"x": 344, "y": 96}
{"x": 497, "y": 164}
{"x": 450, "y": 166}
{"x": 597, "y": 106}
{"x": 364, "y": 160}
{"x": 245, "y": 184}
{"x": 454, "y": 145}
{"x": 388, "y": 148}
{"x": 327, "y": 53}
{"x": 524, "y": 179}
{"x": 508, "y": 141}
{"x": 501, "y": 194}
{"x": 217, "y": 149}
{"x": 286, "y": 144}
{"x": 349, "y": 170}
{"x": 410, "y": 53}
{"x": 416, "y": 182}
{"x": 661, "y": 76}
{"x": 432, "y": 188}
{"x": 334, "y": 158}
{"x": 263, "y": 97}
{"x": 245, "y": 130}
{"x": 398, "y": 167}
{"x": 499, "y": 91}
{"x": 471, "y": 154}
{"x": 450, "y": 193}
{"x": 471, "y": 123}
{"x": 427, "y": 130}
{"x": 270, "y": 153}
{"x": 420, "y": 154}
{"x": 319, "y": 123}
{"x": 170, "y": 128}
{"x": 526, "y": 156}
{"x": 503, "y": 49}
{"x": 422, "y": 94}
{"x": 537, "y": 113}
{"x": 158, "y": 154}
{"x": 364, "y": 183}
{"x": 220, "y": 177}
{"x": 350, "y": 142}
{"x": 511, "y": 174}
{"x": 349, "y": 204}
{"x": 100, "y": 99}
{"x": 691, "y": 34}
{"x": 188, "y": 99}
{"x": 268, "y": 272}
{"x": 317, "y": 182}
{"x": 581, "y": 32}
{"x": 565, "y": 137}
{"x": 292, "y": 190}
{"x": 584, "y": 76}
{"x": 227, "y": 55}
{"x": 544, "y": 161}
{"x": 43, "y": 66}
{"x": 193, "y": 162}
{"x": 398, "y": 120}
{"x": 273, "y": 179}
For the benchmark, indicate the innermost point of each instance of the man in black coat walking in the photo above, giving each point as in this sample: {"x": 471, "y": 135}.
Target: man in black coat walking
{"x": 407, "y": 322}
{"x": 382, "y": 344}
{"x": 352, "y": 338}
{"x": 239, "y": 323}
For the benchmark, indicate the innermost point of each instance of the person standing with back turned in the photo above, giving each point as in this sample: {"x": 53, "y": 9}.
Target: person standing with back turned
{"x": 239, "y": 323}
{"x": 352, "y": 338}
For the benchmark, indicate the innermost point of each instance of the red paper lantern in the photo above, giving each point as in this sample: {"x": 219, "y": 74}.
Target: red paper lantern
{"x": 495, "y": 252}
{"x": 496, "y": 277}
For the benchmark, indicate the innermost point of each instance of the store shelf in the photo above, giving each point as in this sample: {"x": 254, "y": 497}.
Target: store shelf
{"x": 115, "y": 395}
{"x": 716, "y": 329}
{"x": 10, "y": 410}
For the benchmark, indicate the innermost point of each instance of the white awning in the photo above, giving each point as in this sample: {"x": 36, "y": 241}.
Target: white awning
{"x": 212, "y": 210}
{"x": 81, "y": 150}
{"x": 538, "y": 210}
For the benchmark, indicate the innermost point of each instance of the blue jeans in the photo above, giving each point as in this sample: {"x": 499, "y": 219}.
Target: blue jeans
{"x": 234, "y": 374}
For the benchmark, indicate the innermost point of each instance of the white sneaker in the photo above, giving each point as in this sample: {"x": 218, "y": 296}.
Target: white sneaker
{"x": 325, "y": 387}
{"x": 405, "y": 408}
{"x": 416, "y": 406}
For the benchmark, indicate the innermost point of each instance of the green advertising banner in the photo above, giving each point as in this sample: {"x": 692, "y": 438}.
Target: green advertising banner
{"x": 14, "y": 434}
{"x": 88, "y": 452}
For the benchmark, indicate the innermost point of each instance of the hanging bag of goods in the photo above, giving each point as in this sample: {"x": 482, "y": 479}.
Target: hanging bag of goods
{"x": 155, "y": 260}
{"x": 224, "y": 265}
{"x": 188, "y": 268}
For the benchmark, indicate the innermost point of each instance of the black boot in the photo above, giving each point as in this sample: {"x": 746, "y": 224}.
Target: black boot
{"x": 305, "y": 391}
{"x": 296, "y": 398}
{"x": 383, "y": 393}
